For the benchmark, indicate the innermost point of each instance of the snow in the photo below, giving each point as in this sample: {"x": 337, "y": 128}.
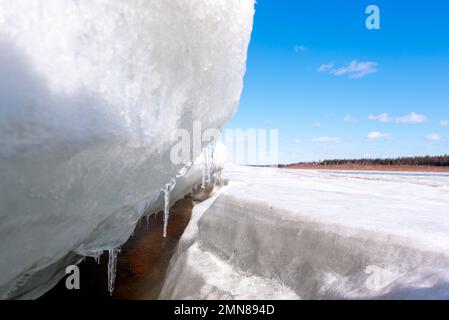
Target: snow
{"x": 198, "y": 274}
{"x": 202, "y": 275}
{"x": 91, "y": 96}
{"x": 324, "y": 235}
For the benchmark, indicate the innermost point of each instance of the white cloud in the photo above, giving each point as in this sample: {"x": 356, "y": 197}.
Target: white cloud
{"x": 349, "y": 118}
{"x": 300, "y": 48}
{"x": 444, "y": 123}
{"x": 355, "y": 69}
{"x": 375, "y": 135}
{"x": 268, "y": 121}
{"x": 383, "y": 117}
{"x": 326, "y": 140}
{"x": 411, "y": 118}
{"x": 434, "y": 137}
{"x": 326, "y": 67}
{"x": 317, "y": 124}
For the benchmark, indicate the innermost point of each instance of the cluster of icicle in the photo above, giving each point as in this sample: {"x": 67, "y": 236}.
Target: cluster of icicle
{"x": 166, "y": 190}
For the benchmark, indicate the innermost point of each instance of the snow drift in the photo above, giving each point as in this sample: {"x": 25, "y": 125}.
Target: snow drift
{"x": 91, "y": 93}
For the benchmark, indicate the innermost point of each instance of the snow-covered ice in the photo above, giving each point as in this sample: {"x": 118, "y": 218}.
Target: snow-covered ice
{"x": 91, "y": 96}
{"x": 198, "y": 274}
{"x": 322, "y": 235}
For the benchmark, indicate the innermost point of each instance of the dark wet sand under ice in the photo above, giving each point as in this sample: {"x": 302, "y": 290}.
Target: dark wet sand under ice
{"x": 141, "y": 264}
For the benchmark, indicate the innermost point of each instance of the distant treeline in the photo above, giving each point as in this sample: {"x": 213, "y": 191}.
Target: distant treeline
{"x": 434, "y": 161}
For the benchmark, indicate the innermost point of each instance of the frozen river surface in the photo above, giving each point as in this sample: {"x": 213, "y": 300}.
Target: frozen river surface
{"x": 316, "y": 235}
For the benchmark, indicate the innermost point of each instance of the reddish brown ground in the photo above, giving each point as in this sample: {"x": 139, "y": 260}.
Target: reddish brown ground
{"x": 141, "y": 264}
{"x": 369, "y": 168}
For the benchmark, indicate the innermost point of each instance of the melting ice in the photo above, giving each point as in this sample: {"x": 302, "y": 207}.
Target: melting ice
{"x": 92, "y": 92}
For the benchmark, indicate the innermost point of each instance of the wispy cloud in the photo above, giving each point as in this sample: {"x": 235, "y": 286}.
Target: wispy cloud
{"x": 300, "y": 48}
{"x": 434, "y": 137}
{"x": 383, "y": 117}
{"x": 326, "y": 67}
{"x": 411, "y": 118}
{"x": 326, "y": 139}
{"x": 268, "y": 121}
{"x": 375, "y": 135}
{"x": 354, "y": 70}
{"x": 349, "y": 118}
{"x": 444, "y": 123}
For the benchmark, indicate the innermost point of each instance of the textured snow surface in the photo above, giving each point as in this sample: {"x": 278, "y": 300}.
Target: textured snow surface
{"x": 324, "y": 235}
{"x": 198, "y": 274}
{"x": 91, "y": 93}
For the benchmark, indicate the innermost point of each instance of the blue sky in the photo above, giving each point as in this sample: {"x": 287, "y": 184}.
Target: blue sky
{"x": 398, "y": 75}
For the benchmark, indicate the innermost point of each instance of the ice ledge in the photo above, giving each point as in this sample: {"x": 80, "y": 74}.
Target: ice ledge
{"x": 197, "y": 274}
{"x": 330, "y": 236}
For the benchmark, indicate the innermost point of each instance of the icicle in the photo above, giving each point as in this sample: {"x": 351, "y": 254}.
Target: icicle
{"x": 148, "y": 222}
{"x": 167, "y": 191}
{"x": 203, "y": 181}
{"x": 112, "y": 268}
{"x": 97, "y": 257}
{"x": 208, "y": 162}
{"x": 166, "y": 208}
